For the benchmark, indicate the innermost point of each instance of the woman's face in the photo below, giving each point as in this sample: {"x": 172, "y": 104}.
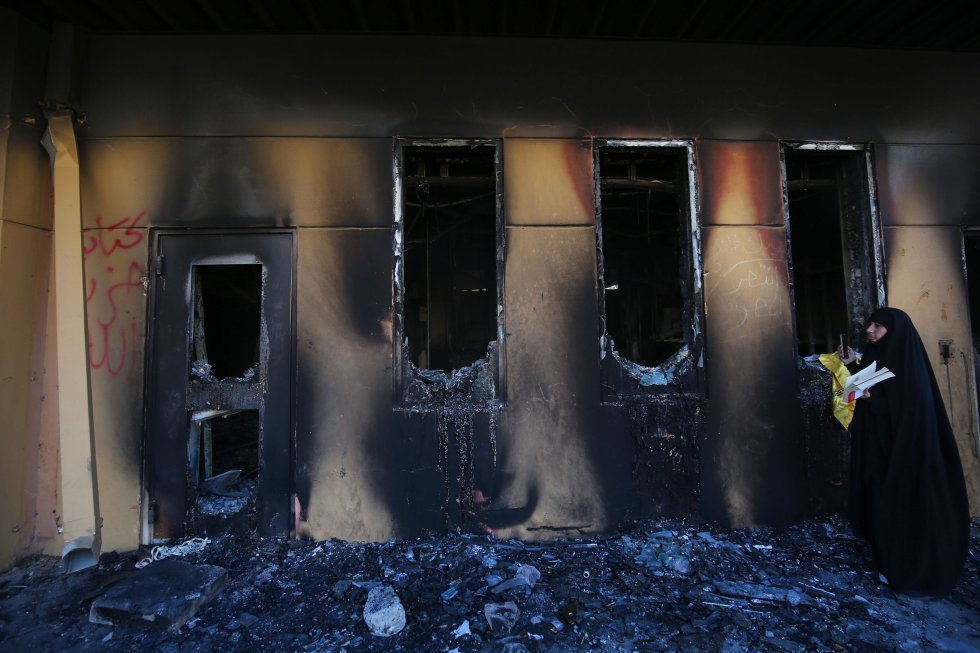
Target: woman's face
{"x": 875, "y": 332}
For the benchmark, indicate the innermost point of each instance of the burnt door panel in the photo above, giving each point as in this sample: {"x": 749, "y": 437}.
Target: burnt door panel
{"x": 222, "y": 343}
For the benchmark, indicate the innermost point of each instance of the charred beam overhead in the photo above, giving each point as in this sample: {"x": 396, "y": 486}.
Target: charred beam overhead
{"x": 407, "y": 16}
{"x": 158, "y": 10}
{"x": 311, "y": 15}
{"x": 692, "y": 17}
{"x": 597, "y": 19}
{"x": 213, "y": 15}
{"x": 642, "y": 22}
{"x": 113, "y": 13}
{"x": 259, "y": 9}
{"x": 940, "y": 26}
{"x": 737, "y": 19}
{"x": 502, "y": 19}
{"x": 359, "y": 17}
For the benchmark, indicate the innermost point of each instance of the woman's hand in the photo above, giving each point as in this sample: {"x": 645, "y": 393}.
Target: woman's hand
{"x": 847, "y": 359}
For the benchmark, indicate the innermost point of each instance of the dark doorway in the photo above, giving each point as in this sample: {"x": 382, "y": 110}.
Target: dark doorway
{"x": 219, "y": 380}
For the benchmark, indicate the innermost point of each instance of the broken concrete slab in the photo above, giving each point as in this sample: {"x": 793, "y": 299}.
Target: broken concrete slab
{"x": 384, "y": 613}
{"x": 162, "y": 596}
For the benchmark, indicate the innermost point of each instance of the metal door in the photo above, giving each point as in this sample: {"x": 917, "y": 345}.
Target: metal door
{"x": 183, "y": 388}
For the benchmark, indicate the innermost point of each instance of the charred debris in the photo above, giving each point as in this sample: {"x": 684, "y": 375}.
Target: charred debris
{"x": 665, "y": 585}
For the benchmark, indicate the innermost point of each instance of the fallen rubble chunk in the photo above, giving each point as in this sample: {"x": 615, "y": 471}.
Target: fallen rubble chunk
{"x": 763, "y": 593}
{"x": 502, "y": 617}
{"x": 526, "y": 576}
{"x": 464, "y": 629}
{"x": 384, "y": 613}
{"x": 162, "y": 596}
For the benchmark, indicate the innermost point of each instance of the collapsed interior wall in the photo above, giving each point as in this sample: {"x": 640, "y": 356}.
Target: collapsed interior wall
{"x": 241, "y": 158}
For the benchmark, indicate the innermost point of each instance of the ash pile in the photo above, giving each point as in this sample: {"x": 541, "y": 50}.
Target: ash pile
{"x": 666, "y": 585}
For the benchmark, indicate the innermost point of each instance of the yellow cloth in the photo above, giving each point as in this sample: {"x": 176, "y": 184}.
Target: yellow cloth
{"x": 843, "y": 411}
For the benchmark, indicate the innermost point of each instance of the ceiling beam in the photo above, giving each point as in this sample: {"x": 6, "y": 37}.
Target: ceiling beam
{"x": 164, "y": 16}
{"x": 692, "y": 17}
{"x": 260, "y": 10}
{"x": 642, "y": 23}
{"x": 110, "y": 10}
{"x": 212, "y": 15}
{"x": 358, "y": 12}
{"x": 311, "y": 15}
{"x": 736, "y": 19}
{"x": 407, "y": 16}
{"x": 597, "y": 17}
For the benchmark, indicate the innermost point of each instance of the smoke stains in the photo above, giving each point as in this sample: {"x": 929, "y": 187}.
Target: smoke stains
{"x": 455, "y": 401}
{"x": 666, "y": 432}
{"x": 826, "y": 443}
{"x": 739, "y": 182}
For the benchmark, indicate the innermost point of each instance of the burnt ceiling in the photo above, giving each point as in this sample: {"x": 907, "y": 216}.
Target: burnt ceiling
{"x": 952, "y": 25}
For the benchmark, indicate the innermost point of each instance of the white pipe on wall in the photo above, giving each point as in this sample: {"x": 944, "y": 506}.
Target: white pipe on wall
{"x": 79, "y": 493}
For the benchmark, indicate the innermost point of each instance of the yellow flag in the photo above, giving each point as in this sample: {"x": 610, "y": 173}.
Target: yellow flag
{"x": 843, "y": 411}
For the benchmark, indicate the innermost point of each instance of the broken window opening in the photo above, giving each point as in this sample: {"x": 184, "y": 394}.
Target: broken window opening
{"x": 831, "y": 246}
{"x": 223, "y": 461}
{"x": 643, "y": 220}
{"x": 227, "y": 321}
{"x": 450, "y": 253}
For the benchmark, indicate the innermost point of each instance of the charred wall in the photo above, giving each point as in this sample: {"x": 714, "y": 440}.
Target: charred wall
{"x": 929, "y": 197}
{"x": 202, "y": 133}
{"x": 749, "y": 340}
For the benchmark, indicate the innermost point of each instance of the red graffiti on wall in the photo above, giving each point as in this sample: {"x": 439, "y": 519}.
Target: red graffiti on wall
{"x": 113, "y": 274}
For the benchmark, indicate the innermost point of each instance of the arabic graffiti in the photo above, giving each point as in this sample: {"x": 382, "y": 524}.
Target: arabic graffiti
{"x": 114, "y": 271}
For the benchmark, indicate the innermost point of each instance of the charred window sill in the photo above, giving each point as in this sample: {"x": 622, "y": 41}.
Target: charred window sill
{"x": 625, "y": 381}
{"x": 472, "y": 388}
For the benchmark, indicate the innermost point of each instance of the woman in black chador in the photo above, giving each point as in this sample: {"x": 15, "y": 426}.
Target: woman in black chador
{"x": 908, "y": 496}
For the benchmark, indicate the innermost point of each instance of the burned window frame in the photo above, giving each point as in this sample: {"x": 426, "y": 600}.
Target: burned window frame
{"x": 969, "y": 232}
{"x": 859, "y": 304}
{"x": 686, "y": 372}
{"x": 402, "y": 368}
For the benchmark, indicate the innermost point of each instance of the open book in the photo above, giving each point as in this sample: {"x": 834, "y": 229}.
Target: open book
{"x": 857, "y": 383}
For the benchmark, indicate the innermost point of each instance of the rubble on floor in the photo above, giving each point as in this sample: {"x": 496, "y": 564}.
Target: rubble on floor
{"x": 669, "y": 585}
{"x": 165, "y": 596}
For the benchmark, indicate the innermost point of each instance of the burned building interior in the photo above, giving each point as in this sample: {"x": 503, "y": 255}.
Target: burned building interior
{"x": 642, "y": 246}
{"x": 830, "y": 227}
{"x": 450, "y": 253}
{"x": 346, "y": 272}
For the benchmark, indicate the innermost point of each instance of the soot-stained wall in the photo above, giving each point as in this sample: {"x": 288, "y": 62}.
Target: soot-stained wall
{"x": 929, "y": 195}
{"x": 298, "y": 132}
{"x": 27, "y": 520}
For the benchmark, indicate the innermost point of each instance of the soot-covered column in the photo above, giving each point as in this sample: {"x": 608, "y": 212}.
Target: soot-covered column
{"x": 752, "y": 458}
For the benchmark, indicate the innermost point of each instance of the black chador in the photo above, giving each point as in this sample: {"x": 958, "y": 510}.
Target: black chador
{"x": 908, "y": 496}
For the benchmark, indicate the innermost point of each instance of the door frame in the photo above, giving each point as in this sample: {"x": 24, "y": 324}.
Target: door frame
{"x": 282, "y": 523}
